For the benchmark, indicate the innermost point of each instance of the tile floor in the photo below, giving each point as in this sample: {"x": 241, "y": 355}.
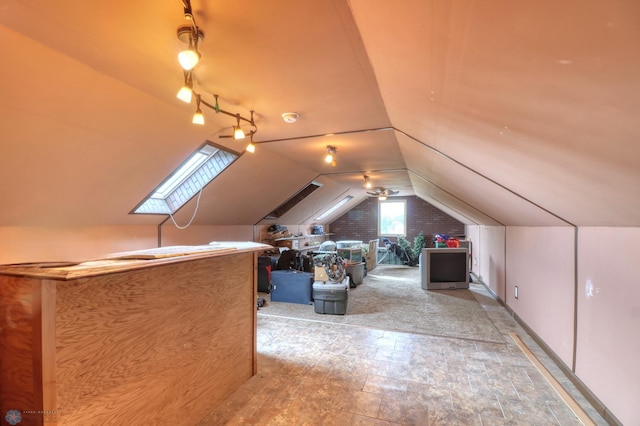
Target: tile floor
{"x": 317, "y": 373}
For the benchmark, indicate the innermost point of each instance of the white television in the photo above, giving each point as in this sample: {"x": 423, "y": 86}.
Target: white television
{"x": 444, "y": 268}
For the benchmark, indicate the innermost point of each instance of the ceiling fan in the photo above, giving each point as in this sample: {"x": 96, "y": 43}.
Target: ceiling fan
{"x": 382, "y": 192}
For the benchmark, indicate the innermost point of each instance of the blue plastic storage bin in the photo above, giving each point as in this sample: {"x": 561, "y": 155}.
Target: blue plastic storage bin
{"x": 291, "y": 286}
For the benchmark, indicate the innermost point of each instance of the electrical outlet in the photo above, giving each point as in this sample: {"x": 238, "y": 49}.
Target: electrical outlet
{"x": 515, "y": 291}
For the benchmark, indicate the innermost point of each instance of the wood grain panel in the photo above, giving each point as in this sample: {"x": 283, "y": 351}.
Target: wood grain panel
{"x": 127, "y": 261}
{"x": 155, "y": 346}
{"x": 45, "y": 352}
{"x": 16, "y": 343}
{"x": 159, "y": 344}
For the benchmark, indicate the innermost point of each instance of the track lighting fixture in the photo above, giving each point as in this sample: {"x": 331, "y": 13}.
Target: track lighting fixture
{"x": 189, "y": 58}
{"x": 238, "y": 133}
{"x": 198, "y": 118}
{"x": 186, "y": 92}
{"x": 331, "y": 155}
{"x": 251, "y": 147}
{"x": 367, "y": 182}
{"x": 191, "y": 35}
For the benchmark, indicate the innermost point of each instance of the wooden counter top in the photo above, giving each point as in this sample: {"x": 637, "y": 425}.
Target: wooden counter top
{"x": 159, "y": 336}
{"x": 131, "y": 260}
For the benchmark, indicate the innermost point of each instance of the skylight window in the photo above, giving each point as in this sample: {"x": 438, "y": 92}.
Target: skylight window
{"x": 193, "y": 175}
{"x": 293, "y": 201}
{"x": 335, "y": 207}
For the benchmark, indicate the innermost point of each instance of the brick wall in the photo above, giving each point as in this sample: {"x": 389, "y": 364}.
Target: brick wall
{"x": 361, "y": 222}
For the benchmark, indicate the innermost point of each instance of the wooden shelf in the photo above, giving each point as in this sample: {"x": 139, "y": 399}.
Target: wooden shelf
{"x": 302, "y": 237}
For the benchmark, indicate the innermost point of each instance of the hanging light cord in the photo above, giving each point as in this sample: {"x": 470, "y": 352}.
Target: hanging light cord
{"x": 192, "y": 217}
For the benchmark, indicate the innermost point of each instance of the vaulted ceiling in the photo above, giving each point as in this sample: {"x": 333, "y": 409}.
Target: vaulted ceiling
{"x": 497, "y": 112}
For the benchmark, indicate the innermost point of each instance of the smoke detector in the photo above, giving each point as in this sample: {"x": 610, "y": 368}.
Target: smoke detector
{"x": 290, "y": 117}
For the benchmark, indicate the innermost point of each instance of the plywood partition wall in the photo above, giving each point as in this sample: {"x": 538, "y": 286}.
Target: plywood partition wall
{"x": 157, "y": 343}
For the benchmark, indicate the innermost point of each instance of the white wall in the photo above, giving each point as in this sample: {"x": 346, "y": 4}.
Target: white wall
{"x": 491, "y": 269}
{"x": 54, "y": 244}
{"x": 472, "y": 233}
{"x": 203, "y": 234}
{"x": 608, "y": 336}
{"x": 574, "y": 284}
{"x": 541, "y": 262}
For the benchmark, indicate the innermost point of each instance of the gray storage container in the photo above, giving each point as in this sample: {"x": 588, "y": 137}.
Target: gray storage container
{"x": 356, "y": 272}
{"x": 330, "y": 298}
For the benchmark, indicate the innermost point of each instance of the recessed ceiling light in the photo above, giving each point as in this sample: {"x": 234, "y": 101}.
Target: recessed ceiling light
{"x": 290, "y": 117}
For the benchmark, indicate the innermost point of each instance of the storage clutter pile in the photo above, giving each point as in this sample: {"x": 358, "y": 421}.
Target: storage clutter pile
{"x": 333, "y": 270}
{"x": 398, "y": 251}
{"x": 331, "y": 285}
{"x": 278, "y": 231}
{"x": 444, "y": 241}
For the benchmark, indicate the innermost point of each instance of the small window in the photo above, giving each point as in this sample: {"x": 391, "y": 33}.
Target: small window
{"x": 392, "y": 218}
{"x": 335, "y": 207}
{"x": 193, "y": 175}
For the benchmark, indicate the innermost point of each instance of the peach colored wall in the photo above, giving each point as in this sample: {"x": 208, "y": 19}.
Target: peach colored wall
{"x": 541, "y": 262}
{"x": 42, "y": 244}
{"x": 472, "y": 233}
{"x": 200, "y": 234}
{"x": 491, "y": 261}
{"x": 608, "y": 338}
{"x": 47, "y": 244}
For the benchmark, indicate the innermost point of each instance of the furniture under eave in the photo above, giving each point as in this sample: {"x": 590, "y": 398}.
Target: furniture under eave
{"x": 158, "y": 336}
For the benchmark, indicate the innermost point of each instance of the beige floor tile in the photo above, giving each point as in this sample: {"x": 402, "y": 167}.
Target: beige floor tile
{"x": 367, "y": 404}
{"x": 320, "y": 373}
{"x": 444, "y": 417}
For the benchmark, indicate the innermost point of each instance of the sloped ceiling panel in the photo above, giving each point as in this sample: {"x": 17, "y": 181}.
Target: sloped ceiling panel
{"x": 357, "y": 152}
{"x": 248, "y": 190}
{"x": 100, "y": 81}
{"x": 448, "y": 203}
{"x": 540, "y": 97}
{"x": 478, "y": 192}
{"x": 80, "y": 148}
{"x": 318, "y": 202}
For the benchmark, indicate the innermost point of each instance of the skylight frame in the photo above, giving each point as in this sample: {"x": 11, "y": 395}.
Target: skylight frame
{"x": 196, "y": 172}
{"x": 183, "y": 172}
{"x": 294, "y": 200}
{"x": 333, "y": 208}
